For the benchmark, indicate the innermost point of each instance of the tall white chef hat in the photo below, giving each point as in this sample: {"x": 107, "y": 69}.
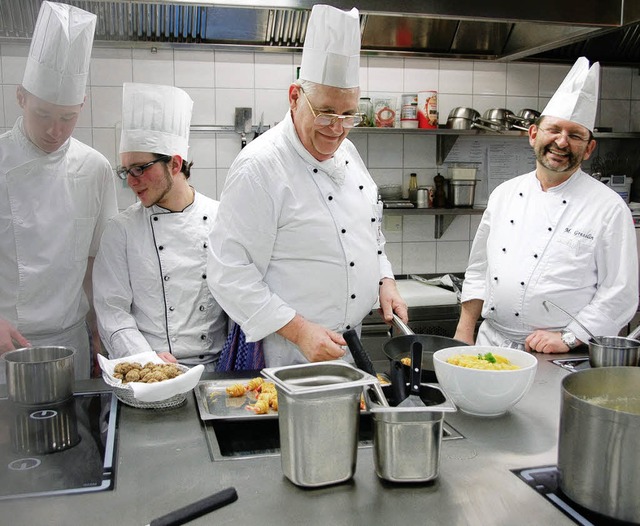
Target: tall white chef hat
{"x": 331, "y": 53}
{"x": 155, "y": 119}
{"x": 58, "y": 62}
{"x": 576, "y": 99}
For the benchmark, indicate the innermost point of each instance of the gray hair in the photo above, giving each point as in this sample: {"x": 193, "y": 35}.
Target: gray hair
{"x": 312, "y": 87}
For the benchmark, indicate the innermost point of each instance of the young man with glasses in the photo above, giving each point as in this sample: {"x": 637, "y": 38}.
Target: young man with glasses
{"x": 150, "y": 288}
{"x": 56, "y": 195}
{"x": 554, "y": 234}
{"x": 297, "y": 254}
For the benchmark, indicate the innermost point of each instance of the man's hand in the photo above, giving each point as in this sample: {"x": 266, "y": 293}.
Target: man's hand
{"x": 391, "y": 301}
{"x": 10, "y": 338}
{"x": 167, "y": 357}
{"x": 545, "y": 342}
{"x": 317, "y": 343}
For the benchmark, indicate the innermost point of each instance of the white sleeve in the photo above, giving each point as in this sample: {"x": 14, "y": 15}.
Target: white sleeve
{"x": 474, "y": 286}
{"x": 112, "y": 296}
{"x": 616, "y": 298}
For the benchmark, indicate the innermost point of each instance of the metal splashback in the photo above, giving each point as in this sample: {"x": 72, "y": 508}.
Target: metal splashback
{"x": 496, "y": 30}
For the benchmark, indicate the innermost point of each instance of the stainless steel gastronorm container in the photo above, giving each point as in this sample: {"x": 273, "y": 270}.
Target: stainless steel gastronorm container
{"x": 40, "y": 375}
{"x": 462, "y": 192}
{"x": 406, "y": 440}
{"x": 318, "y": 414}
{"x": 598, "y": 454}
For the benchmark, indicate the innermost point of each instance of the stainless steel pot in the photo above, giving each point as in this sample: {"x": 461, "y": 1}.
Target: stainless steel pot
{"x": 598, "y": 454}
{"x": 501, "y": 119}
{"x": 462, "y": 118}
{"x": 614, "y": 351}
{"x": 40, "y": 375}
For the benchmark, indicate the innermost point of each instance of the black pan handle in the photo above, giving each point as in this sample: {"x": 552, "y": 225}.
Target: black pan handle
{"x": 416, "y": 367}
{"x": 358, "y": 352}
{"x": 197, "y": 509}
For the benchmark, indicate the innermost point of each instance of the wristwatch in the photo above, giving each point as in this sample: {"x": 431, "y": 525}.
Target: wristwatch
{"x": 569, "y": 339}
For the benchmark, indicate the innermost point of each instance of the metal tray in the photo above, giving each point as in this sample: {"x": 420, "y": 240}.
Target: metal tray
{"x": 215, "y": 404}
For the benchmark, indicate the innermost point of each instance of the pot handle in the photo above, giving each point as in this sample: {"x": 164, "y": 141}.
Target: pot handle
{"x": 401, "y": 326}
{"x": 634, "y": 333}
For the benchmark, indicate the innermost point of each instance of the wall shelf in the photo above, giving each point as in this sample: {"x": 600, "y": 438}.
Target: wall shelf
{"x": 443, "y": 216}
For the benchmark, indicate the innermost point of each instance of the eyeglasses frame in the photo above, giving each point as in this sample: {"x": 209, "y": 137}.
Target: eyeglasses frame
{"x": 122, "y": 172}
{"x": 333, "y": 116}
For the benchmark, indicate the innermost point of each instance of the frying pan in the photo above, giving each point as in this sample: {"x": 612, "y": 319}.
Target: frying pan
{"x": 400, "y": 347}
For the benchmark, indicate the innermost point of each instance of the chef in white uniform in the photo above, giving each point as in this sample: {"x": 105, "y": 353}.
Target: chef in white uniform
{"x": 553, "y": 234}
{"x": 56, "y": 194}
{"x": 150, "y": 286}
{"x": 297, "y": 254}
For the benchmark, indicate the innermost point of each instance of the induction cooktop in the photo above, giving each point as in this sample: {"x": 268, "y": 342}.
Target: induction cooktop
{"x": 58, "y": 449}
{"x": 544, "y": 480}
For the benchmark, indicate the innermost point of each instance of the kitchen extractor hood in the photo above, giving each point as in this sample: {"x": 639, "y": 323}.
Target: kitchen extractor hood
{"x": 497, "y": 30}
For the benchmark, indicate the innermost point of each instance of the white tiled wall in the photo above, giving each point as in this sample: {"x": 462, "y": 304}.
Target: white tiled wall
{"x": 219, "y": 81}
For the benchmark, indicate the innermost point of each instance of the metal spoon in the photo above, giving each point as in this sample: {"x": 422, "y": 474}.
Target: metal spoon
{"x": 594, "y": 338}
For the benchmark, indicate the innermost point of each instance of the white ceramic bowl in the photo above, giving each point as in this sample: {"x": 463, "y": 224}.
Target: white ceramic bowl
{"x": 484, "y": 392}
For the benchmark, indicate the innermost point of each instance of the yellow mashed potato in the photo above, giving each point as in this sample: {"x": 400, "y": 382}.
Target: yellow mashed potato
{"x": 488, "y": 361}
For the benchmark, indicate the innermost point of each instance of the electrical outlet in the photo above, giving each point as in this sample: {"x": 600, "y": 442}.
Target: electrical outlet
{"x": 392, "y": 223}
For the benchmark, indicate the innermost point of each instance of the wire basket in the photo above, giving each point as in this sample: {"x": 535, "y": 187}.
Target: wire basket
{"x": 124, "y": 393}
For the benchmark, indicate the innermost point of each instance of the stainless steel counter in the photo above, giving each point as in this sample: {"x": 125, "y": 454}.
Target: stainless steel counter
{"x": 163, "y": 463}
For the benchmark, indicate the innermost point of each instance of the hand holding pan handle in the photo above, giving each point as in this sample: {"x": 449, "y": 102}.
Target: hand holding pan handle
{"x": 197, "y": 509}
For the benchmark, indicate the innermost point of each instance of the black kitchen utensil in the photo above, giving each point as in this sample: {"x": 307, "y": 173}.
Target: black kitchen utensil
{"x": 414, "y": 400}
{"x": 398, "y": 382}
{"x": 360, "y": 355}
{"x": 197, "y": 509}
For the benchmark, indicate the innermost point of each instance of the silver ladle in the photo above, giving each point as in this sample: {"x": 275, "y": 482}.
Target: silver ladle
{"x": 595, "y": 339}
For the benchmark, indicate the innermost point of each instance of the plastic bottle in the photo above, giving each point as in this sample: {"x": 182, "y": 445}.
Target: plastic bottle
{"x": 413, "y": 188}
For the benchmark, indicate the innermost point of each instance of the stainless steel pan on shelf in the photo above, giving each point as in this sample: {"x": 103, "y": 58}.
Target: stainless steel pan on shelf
{"x": 462, "y": 118}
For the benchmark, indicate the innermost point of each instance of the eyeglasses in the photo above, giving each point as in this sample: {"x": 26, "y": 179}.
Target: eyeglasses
{"x": 137, "y": 171}
{"x": 572, "y": 138}
{"x": 329, "y": 119}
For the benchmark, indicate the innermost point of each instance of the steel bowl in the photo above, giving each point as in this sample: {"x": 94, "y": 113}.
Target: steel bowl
{"x": 40, "y": 375}
{"x": 464, "y": 113}
{"x": 614, "y": 351}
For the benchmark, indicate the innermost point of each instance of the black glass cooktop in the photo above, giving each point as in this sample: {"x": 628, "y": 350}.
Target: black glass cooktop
{"x": 58, "y": 449}
{"x": 544, "y": 480}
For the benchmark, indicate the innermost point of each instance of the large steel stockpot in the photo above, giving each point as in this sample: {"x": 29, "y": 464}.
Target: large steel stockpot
{"x": 598, "y": 454}
{"x": 40, "y": 375}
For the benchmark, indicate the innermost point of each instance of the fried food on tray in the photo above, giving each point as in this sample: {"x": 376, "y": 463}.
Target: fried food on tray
{"x": 264, "y": 393}
{"x": 235, "y": 390}
{"x": 150, "y": 373}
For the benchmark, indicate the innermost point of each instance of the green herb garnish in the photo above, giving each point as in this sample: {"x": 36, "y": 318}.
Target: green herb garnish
{"x": 487, "y": 357}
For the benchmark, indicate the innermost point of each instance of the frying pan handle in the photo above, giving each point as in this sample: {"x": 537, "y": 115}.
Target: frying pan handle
{"x": 401, "y": 326}
{"x": 197, "y": 509}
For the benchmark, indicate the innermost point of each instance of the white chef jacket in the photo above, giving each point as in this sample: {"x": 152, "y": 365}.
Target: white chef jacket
{"x": 53, "y": 209}
{"x": 296, "y": 235}
{"x": 150, "y": 283}
{"x": 574, "y": 245}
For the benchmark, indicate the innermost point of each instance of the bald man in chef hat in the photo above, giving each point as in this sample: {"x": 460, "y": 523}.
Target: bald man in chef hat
{"x": 555, "y": 234}
{"x": 150, "y": 289}
{"x": 57, "y": 194}
{"x": 297, "y": 253}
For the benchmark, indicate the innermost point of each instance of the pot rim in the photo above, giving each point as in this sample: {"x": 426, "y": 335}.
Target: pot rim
{"x": 15, "y": 355}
